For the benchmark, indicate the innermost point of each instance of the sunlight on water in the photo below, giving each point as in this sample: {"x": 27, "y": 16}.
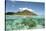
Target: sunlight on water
{"x": 22, "y": 22}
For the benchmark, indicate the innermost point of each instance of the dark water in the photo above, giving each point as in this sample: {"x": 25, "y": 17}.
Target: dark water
{"x": 24, "y": 22}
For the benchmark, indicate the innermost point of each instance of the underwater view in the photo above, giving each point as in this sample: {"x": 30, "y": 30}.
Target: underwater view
{"x": 24, "y": 22}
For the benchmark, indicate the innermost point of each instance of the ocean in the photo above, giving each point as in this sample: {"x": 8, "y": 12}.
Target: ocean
{"x": 24, "y": 22}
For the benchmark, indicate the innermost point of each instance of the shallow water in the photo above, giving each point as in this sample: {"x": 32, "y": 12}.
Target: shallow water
{"x": 24, "y": 22}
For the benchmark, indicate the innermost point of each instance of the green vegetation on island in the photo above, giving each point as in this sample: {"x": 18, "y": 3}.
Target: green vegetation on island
{"x": 25, "y": 12}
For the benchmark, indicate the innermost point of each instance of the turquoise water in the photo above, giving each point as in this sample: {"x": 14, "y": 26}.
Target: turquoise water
{"x": 24, "y": 22}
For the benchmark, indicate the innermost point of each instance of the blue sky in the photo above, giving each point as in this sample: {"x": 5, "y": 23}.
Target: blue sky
{"x": 12, "y": 6}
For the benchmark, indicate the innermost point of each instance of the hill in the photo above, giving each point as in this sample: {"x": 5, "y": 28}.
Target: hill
{"x": 24, "y": 12}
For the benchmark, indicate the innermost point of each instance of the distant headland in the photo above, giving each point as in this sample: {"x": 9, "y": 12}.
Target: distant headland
{"x": 24, "y": 12}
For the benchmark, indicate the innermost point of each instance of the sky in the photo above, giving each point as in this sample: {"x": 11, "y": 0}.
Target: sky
{"x": 14, "y": 6}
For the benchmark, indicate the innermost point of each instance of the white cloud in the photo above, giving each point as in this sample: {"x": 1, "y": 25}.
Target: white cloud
{"x": 21, "y": 9}
{"x": 30, "y": 0}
